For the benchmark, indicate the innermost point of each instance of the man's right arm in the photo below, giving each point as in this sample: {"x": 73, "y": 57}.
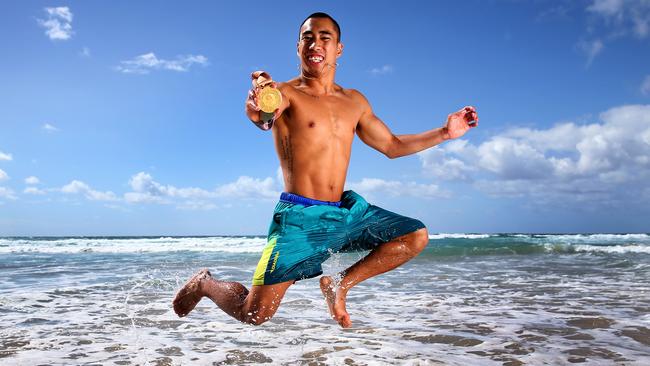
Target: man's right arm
{"x": 253, "y": 110}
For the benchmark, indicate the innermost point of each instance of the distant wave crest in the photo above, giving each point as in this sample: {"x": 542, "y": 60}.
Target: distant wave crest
{"x": 458, "y": 236}
{"x": 442, "y": 244}
{"x": 228, "y": 244}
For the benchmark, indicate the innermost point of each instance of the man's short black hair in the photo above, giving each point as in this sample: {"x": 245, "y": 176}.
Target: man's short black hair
{"x": 322, "y": 15}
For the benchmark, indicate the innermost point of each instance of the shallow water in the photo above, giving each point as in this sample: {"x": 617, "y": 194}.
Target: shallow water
{"x": 468, "y": 299}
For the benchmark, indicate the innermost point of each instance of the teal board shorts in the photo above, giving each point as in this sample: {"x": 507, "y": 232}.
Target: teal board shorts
{"x": 304, "y": 233}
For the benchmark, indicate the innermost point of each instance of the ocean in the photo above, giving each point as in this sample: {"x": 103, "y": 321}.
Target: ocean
{"x": 467, "y": 299}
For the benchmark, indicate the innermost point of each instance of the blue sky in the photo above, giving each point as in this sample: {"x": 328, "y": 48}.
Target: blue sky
{"x": 126, "y": 117}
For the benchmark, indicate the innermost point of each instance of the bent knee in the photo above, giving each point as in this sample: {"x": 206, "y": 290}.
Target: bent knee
{"x": 419, "y": 240}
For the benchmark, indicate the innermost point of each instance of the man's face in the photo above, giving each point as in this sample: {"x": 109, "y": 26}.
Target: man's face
{"x": 318, "y": 46}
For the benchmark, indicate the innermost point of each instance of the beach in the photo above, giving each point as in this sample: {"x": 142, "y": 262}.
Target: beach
{"x": 468, "y": 299}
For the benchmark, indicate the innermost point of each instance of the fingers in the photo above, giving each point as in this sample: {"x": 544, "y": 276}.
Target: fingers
{"x": 258, "y": 73}
{"x": 258, "y": 77}
{"x": 470, "y": 115}
{"x": 251, "y": 105}
{"x": 251, "y": 101}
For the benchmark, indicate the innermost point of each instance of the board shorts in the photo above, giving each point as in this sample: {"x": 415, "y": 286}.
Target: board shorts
{"x": 304, "y": 233}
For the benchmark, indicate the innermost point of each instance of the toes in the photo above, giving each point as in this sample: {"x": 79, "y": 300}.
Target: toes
{"x": 344, "y": 321}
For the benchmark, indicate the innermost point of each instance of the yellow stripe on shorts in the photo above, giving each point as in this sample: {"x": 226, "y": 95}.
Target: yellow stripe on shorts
{"x": 258, "y": 277}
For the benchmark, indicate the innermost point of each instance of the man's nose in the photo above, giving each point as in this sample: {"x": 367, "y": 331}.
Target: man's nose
{"x": 315, "y": 45}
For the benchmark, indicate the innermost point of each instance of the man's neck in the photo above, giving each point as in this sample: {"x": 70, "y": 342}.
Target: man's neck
{"x": 322, "y": 84}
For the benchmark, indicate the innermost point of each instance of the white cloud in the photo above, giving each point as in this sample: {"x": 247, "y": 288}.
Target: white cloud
{"x": 3, "y": 175}
{"x": 143, "y": 64}
{"x": 247, "y": 187}
{"x": 623, "y": 16}
{"x": 33, "y": 190}
{"x": 143, "y": 182}
{"x": 513, "y": 159}
{"x": 382, "y": 70}
{"x": 591, "y": 49}
{"x": 58, "y": 25}
{"x": 279, "y": 176}
{"x": 560, "y": 11}
{"x": 7, "y": 193}
{"x": 614, "y": 19}
{"x": 197, "y": 206}
{"x": 79, "y": 187}
{"x": 62, "y": 12}
{"x": 138, "y": 197}
{"x": 450, "y": 168}
{"x": 369, "y": 186}
{"x": 32, "y": 180}
{"x": 5, "y": 156}
{"x": 606, "y": 7}
{"x": 49, "y": 128}
{"x": 602, "y": 159}
{"x": 645, "y": 86}
{"x": 147, "y": 190}
{"x": 641, "y": 24}
{"x": 437, "y": 161}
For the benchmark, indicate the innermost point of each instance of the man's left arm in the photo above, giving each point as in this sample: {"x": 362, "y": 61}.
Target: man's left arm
{"x": 376, "y": 134}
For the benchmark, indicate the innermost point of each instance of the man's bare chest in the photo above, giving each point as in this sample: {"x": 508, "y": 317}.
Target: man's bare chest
{"x": 312, "y": 114}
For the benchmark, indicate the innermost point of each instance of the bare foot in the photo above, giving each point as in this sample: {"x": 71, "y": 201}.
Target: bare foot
{"x": 190, "y": 295}
{"x": 335, "y": 303}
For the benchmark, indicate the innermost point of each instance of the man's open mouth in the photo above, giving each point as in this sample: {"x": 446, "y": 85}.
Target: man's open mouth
{"x": 315, "y": 59}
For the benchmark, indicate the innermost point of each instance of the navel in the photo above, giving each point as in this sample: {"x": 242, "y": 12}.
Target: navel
{"x": 312, "y": 124}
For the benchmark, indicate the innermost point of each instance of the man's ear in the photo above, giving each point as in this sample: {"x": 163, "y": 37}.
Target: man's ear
{"x": 339, "y": 49}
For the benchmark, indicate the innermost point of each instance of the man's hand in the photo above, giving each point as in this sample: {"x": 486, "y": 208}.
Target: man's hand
{"x": 252, "y": 106}
{"x": 459, "y": 122}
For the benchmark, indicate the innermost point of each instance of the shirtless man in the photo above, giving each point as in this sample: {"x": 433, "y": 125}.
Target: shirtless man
{"x": 313, "y": 131}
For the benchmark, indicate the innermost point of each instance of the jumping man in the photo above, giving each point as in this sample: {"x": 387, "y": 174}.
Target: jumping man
{"x": 313, "y": 131}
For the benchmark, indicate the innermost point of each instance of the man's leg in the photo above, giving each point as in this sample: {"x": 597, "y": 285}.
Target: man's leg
{"x": 382, "y": 259}
{"x": 254, "y": 307}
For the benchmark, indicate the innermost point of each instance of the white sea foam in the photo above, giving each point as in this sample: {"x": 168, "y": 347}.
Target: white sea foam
{"x": 458, "y": 236}
{"x": 586, "y": 248}
{"x": 134, "y": 245}
{"x": 554, "y": 243}
{"x": 466, "y": 311}
{"x": 598, "y": 238}
{"x": 613, "y": 248}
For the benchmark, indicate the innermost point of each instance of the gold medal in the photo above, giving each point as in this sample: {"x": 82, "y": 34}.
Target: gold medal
{"x": 269, "y": 99}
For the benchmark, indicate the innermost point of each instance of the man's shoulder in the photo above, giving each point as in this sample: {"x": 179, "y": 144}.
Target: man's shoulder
{"x": 354, "y": 93}
{"x": 356, "y": 96}
{"x": 289, "y": 84}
